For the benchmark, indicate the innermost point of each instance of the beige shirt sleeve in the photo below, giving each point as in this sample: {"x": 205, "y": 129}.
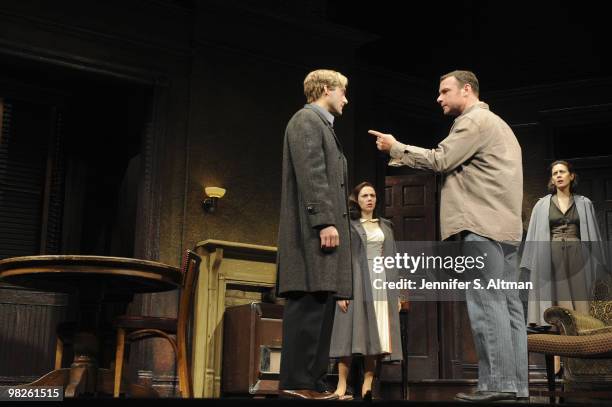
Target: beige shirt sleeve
{"x": 462, "y": 143}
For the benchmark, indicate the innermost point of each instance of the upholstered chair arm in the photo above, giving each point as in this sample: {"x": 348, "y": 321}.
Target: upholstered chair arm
{"x": 573, "y": 323}
{"x": 563, "y": 318}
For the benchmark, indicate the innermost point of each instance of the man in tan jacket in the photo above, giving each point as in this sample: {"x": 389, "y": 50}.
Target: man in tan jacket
{"x": 481, "y": 201}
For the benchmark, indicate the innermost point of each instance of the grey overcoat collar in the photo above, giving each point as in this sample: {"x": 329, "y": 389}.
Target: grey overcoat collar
{"x": 329, "y": 126}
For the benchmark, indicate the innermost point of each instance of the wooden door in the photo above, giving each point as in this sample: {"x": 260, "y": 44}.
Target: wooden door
{"x": 411, "y": 204}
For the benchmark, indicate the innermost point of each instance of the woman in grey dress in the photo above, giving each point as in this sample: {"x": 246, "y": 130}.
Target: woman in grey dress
{"x": 563, "y": 270}
{"x": 367, "y": 325}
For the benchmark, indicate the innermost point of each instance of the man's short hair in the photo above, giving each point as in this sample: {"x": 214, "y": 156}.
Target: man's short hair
{"x": 316, "y": 81}
{"x": 464, "y": 77}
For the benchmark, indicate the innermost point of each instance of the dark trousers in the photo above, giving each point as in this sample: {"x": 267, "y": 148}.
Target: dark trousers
{"x": 308, "y": 320}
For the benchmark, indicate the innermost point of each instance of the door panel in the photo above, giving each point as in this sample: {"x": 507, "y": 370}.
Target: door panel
{"x": 410, "y": 203}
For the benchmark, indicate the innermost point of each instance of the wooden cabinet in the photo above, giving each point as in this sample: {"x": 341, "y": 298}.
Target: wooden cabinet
{"x": 228, "y": 269}
{"x": 252, "y": 340}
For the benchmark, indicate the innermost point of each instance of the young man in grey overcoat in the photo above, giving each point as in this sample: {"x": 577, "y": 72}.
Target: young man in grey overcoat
{"x": 314, "y": 256}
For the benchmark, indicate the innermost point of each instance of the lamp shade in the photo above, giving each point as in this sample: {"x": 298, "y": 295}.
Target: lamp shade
{"x": 214, "y": 192}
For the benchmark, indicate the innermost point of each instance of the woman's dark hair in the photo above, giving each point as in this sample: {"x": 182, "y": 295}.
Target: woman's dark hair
{"x": 570, "y": 168}
{"x": 354, "y": 208}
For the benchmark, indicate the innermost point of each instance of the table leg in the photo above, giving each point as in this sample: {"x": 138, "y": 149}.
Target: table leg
{"x": 77, "y": 381}
{"x": 404, "y": 338}
{"x": 84, "y": 368}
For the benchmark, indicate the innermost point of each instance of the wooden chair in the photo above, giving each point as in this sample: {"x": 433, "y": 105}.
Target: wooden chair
{"x": 135, "y": 328}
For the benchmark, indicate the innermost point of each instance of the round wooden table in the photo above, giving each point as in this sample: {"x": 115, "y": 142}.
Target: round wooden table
{"x": 91, "y": 279}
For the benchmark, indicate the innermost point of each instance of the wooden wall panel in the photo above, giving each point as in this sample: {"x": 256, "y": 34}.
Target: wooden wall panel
{"x": 27, "y": 338}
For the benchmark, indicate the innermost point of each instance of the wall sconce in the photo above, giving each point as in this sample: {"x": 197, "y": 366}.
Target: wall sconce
{"x": 213, "y": 194}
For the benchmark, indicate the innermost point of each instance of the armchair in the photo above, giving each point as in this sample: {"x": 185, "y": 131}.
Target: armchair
{"x": 584, "y": 343}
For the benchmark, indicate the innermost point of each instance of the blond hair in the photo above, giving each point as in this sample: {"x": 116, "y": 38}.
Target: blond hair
{"x": 315, "y": 82}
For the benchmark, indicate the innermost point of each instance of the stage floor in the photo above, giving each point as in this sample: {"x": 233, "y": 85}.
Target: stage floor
{"x": 275, "y": 402}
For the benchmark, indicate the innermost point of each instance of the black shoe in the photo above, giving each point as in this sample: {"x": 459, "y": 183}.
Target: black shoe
{"x": 367, "y": 396}
{"x": 485, "y": 396}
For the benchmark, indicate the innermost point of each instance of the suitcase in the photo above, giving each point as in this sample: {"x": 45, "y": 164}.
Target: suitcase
{"x": 252, "y": 340}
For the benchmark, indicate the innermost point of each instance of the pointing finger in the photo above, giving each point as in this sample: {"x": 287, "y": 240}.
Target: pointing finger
{"x": 376, "y": 133}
